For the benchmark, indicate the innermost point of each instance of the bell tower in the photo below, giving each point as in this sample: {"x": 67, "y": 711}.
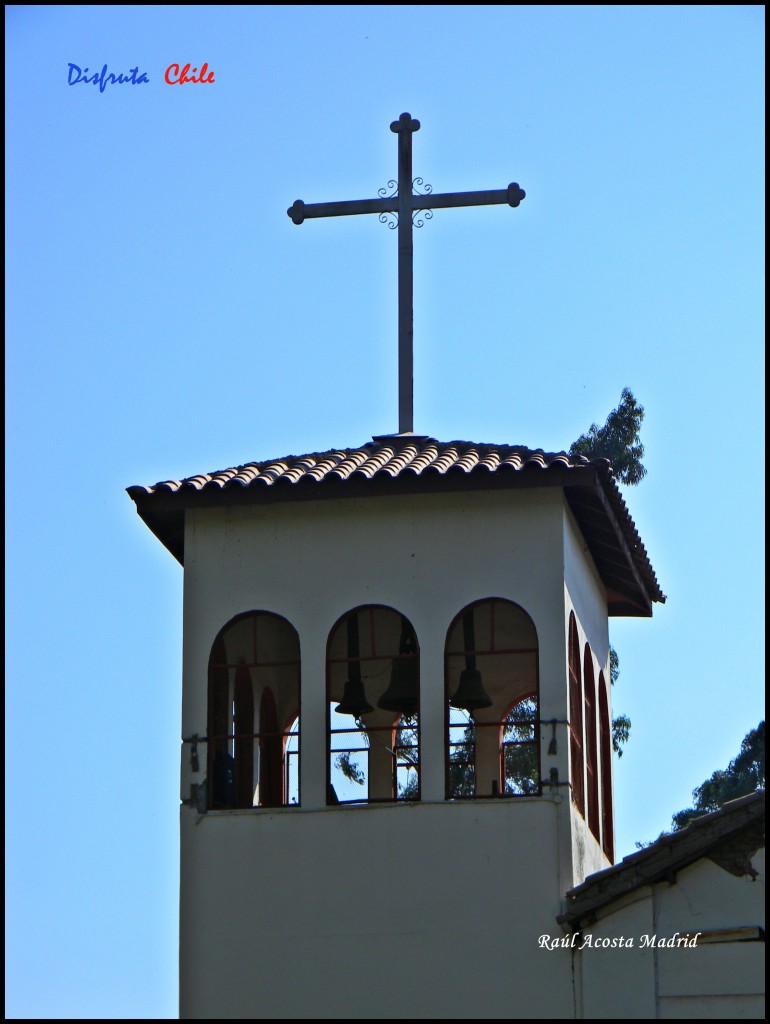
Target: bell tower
{"x": 396, "y": 723}
{"x": 396, "y": 720}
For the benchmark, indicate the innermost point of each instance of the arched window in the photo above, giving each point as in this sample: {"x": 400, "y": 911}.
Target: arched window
{"x": 373, "y": 696}
{"x": 605, "y": 751}
{"x": 253, "y": 716}
{"x": 592, "y": 773}
{"x": 575, "y": 717}
{"x": 492, "y": 705}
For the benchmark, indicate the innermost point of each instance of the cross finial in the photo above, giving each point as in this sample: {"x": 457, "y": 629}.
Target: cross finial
{"x": 405, "y": 123}
{"x": 404, "y": 203}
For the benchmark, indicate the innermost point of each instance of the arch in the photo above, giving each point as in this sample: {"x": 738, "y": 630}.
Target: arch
{"x": 254, "y": 666}
{"x": 605, "y": 752}
{"x": 492, "y": 702}
{"x": 373, "y": 702}
{"x": 592, "y": 771}
{"x": 575, "y": 717}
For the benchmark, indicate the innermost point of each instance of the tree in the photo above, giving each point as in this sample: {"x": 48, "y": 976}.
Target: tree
{"x": 744, "y": 774}
{"x": 621, "y": 725}
{"x": 618, "y": 440}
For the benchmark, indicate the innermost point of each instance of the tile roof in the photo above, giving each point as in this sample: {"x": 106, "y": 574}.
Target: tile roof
{"x": 729, "y": 836}
{"x": 401, "y": 454}
{"x": 407, "y": 462}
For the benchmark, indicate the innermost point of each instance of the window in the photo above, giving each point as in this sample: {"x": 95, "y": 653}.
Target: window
{"x": 605, "y": 752}
{"x": 592, "y": 773}
{"x": 492, "y": 702}
{"x": 253, "y": 715}
{"x": 292, "y": 763}
{"x": 520, "y": 749}
{"x": 575, "y": 717}
{"x": 373, "y": 691}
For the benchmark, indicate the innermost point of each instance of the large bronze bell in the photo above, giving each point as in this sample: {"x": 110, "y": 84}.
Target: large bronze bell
{"x": 470, "y": 694}
{"x": 354, "y": 700}
{"x": 401, "y": 695}
{"x": 404, "y": 691}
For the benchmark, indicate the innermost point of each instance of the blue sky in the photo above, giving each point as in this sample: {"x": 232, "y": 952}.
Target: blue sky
{"x": 165, "y": 318}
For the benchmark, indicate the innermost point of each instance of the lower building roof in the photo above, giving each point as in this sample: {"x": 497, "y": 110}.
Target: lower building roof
{"x": 729, "y": 837}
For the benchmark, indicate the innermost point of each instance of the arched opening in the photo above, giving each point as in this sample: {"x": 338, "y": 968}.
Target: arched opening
{"x": 492, "y": 702}
{"x": 373, "y": 690}
{"x": 592, "y": 773}
{"x": 605, "y": 752}
{"x": 575, "y": 717}
{"x": 254, "y": 680}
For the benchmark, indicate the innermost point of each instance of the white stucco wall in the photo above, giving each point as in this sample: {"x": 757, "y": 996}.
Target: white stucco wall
{"x": 426, "y": 556}
{"x": 433, "y": 909}
{"x": 584, "y": 594}
{"x": 718, "y": 979}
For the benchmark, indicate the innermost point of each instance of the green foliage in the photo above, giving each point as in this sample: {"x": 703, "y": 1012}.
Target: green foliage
{"x": 614, "y": 665}
{"x": 522, "y": 770}
{"x": 462, "y": 758}
{"x": 349, "y": 769}
{"x": 406, "y": 751}
{"x": 621, "y": 727}
{"x": 410, "y": 791}
{"x": 406, "y": 746}
{"x": 618, "y": 440}
{"x": 522, "y": 773}
{"x": 744, "y": 774}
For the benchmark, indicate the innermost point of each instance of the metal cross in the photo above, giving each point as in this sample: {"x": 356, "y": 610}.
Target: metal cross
{"x": 404, "y": 202}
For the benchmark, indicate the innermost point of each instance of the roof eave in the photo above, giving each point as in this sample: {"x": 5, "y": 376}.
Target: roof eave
{"x": 585, "y": 489}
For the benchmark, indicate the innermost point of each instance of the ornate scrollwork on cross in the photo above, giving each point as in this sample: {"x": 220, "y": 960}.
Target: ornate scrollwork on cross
{"x": 421, "y": 188}
{"x": 383, "y": 192}
{"x": 389, "y": 191}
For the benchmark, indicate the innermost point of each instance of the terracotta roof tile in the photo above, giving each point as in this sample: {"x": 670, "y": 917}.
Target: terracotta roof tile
{"x": 375, "y": 457}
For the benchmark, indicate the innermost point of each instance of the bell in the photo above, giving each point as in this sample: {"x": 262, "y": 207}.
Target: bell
{"x": 401, "y": 695}
{"x": 354, "y": 700}
{"x": 470, "y": 694}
